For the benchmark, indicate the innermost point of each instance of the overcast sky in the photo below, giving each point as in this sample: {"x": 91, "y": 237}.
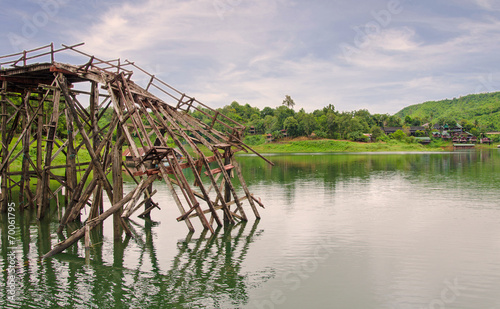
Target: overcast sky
{"x": 380, "y": 55}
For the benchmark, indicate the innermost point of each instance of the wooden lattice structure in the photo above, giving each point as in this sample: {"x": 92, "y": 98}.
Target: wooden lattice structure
{"x": 40, "y": 93}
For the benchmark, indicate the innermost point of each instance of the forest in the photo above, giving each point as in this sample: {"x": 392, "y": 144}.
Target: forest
{"x": 481, "y": 111}
{"x": 330, "y": 123}
{"x": 477, "y": 114}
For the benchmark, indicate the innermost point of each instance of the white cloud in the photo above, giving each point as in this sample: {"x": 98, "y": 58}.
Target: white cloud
{"x": 258, "y": 51}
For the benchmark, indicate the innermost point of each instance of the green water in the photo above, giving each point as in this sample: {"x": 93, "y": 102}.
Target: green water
{"x": 371, "y": 230}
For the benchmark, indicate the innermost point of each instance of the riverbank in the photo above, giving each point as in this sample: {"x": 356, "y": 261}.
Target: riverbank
{"x": 328, "y": 145}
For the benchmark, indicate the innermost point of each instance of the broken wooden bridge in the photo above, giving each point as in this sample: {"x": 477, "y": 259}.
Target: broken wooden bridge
{"x": 44, "y": 120}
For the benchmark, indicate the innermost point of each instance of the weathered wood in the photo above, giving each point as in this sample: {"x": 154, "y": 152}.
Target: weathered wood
{"x": 71, "y": 176}
{"x": 227, "y": 213}
{"x": 49, "y": 146}
{"x": 117, "y": 183}
{"x": 25, "y": 176}
{"x": 81, "y": 232}
{"x": 136, "y": 113}
{"x": 160, "y": 114}
{"x": 93, "y": 119}
{"x": 39, "y": 153}
{"x": 62, "y": 82}
{"x": 245, "y": 188}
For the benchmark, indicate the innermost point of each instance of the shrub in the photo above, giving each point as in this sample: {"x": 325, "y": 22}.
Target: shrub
{"x": 398, "y": 135}
{"x": 255, "y": 140}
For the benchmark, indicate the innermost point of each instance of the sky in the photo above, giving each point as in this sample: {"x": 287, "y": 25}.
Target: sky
{"x": 379, "y": 55}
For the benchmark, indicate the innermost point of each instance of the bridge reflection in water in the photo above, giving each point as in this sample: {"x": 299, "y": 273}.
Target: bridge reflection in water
{"x": 204, "y": 272}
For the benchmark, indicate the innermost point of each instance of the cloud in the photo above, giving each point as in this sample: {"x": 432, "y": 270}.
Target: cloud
{"x": 490, "y": 5}
{"x": 258, "y": 51}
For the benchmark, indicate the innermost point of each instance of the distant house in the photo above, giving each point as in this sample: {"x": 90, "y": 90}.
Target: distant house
{"x": 269, "y": 137}
{"x": 413, "y": 130}
{"x": 129, "y": 159}
{"x": 423, "y": 140}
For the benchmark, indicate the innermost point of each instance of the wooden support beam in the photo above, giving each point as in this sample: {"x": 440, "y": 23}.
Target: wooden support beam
{"x": 62, "y": 82}
{"x": 81, "y": 232}
{"x": 247, "y": 192}
{"x": 49, "y": 146}
{"x": 116, "y": 171}
{"x": 160, "y": 114}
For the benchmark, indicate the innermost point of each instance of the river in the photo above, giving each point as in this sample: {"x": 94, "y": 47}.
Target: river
{"x": 359, "y": 230}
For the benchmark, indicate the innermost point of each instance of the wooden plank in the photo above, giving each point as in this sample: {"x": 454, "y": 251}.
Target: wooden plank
{"x": 219, "y": 170}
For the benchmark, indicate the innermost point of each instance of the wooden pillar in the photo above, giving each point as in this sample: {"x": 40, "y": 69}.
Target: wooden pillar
{"x": 117, "y": 183}
{"x": 25, "y": 177}
{"x": 49, "y": 146}
{"x": 94, "y": 110}
{"x": 4, "y": 203}
{"x": 39, "y": 152}
{"x": 147, "y": 200}
{"x": 71, "y": 177}
{"x": 227, "y": 188}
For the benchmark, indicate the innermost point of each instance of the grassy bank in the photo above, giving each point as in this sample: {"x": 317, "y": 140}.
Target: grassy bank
{"x": 326, "y": 145}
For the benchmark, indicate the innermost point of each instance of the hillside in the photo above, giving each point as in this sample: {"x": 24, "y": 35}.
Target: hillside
{"x": 483, "y": 109}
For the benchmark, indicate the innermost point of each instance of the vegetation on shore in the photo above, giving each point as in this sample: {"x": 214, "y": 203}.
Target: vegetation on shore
{"x": 328, "y": 130}
{"x": 475, "y": 110}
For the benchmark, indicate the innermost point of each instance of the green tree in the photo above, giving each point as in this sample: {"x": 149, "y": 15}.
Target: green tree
{"x": 307, "y": 124}
{"x": 288, "y": 102}
{"x": 399, "y": 135}
{"x": 377, "y": 133}
{"x": 266, "y": 111}
{"x": 291, "y": 125}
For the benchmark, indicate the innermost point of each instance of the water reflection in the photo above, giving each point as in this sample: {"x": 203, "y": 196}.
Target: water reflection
{"x": 204, "y": 272}
{"x": 400, "y": 225}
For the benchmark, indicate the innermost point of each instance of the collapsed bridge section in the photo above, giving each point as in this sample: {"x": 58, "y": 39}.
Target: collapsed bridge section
{"x": 45, "y": 122}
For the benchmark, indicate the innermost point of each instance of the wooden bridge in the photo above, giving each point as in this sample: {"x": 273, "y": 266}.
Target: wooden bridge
{"x": 35, "y": 96}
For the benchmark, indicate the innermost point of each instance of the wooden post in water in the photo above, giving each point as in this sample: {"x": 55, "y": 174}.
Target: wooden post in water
{"x": 3, "y": 128}
{"x": 71, "y": 177}
{"x": 24, "y": 190}
{"x": 117, "y": 183}
{"x": 49, "y": 146}
{"x": 39, "y": 152}
{"x": 94, "y": 111}
{"x": 227, "y": 188}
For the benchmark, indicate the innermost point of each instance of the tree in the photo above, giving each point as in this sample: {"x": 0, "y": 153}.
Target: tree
{"x": 307, "y": 124}
{"x": 399, "y": 135}
{"x": 288, "y": 102}
{"x": 394, "y": 121}
{"x": 377, "y": 133}
{"x": 266, "y": 111}
{"x": 291, "y": 125}
{"x": 282, "y": 112}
